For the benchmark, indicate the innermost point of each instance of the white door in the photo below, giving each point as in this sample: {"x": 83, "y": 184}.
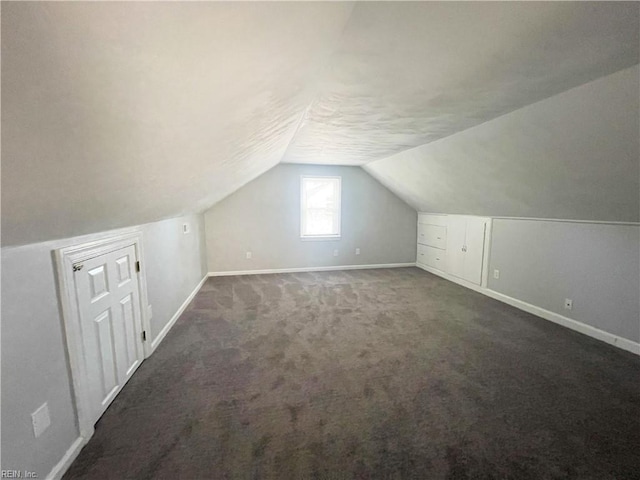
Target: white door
{"x": 109, "y": 304}
{"x": 456, "y": 230}
{"x": 474, "y": 249}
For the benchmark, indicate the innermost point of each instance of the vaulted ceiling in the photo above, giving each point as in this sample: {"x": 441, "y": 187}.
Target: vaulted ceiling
{"x": 117, "y": 113}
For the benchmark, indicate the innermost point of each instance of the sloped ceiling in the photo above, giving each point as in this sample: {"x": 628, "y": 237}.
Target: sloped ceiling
{"x": 121, "y": 113}
{"x": 411, "y": 73}
{"x": 575, "y": 155}
{"x": 116, "y": 114}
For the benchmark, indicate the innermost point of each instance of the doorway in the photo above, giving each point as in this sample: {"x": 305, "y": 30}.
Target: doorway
{"x": 103, "y": 297}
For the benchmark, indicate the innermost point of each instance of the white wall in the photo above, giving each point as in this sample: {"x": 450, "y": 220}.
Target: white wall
{"x": 34, "y": 363}
{"x": 595, "y": 265}
{"x": 572, "y": 156}
{"x": 264, "y": 217}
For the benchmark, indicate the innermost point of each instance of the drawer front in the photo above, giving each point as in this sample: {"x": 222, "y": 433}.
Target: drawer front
{"x": 432, "y": 257}
{"x": 432, "y": 235}
{"x": 429, "y": 219}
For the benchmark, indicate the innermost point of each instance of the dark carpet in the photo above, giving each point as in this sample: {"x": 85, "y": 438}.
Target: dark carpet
{"x": 390, "y": 374}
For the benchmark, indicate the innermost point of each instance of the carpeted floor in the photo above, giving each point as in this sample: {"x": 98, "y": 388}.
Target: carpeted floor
{"x": 390, "y": 374}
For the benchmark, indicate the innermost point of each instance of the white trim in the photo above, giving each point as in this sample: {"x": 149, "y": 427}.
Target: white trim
{"x": 593, "y": 332}
{"x": 86, "y": 431}
{"x": 311, "y": 269}
{"x": 583, "y": 328}
{"x": 488, "y": 232}
{"x": 451, "y": 278}
{"x": 320, "y": 238}
{"x": 65, "y": 258}
{"x": 568, "y": 220}
{"x": 163, "y": 333}
{"x": 536, "y": 219}
{"x": 65, "y": 462}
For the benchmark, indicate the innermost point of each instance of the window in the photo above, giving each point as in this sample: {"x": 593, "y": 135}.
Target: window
{"x": 320, "y": 207}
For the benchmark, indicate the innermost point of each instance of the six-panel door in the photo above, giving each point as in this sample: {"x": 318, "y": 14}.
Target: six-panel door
{"x": 109, "y": 304}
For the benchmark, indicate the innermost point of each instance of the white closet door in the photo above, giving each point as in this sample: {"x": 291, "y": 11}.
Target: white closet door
{"x": 474, "y": 254}
{"x": 456, "y": 228}
{"x": 109, "y": 304}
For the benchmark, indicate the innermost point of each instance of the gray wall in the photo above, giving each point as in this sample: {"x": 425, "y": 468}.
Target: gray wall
{"x": 264, "y": 217}
{"x": 571, "y": 156}
{"x": 596, "y": 265}
{"x": 34, "y": 362}
{"x": 175, "y": 264}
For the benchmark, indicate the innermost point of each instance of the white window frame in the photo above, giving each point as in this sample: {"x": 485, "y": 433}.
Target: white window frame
{"x": 303, "y": 209}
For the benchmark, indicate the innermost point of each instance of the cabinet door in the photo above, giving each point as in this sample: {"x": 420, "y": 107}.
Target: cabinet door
{"x": 427, "y": 219}
{"x": 421, "y": 255}
{"x": 436, "y": 258}
{"x": 422, "y": 234}
{"x": 431, "y": 257}
{"x": 474, "y": 254}
{"x": 436, "y": 236}
{"x": 432, "y": 235}
{"x": 456, "y": 228}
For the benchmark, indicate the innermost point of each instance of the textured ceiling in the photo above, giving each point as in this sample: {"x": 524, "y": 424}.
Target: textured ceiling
{"x": 121, "y": 113}
{"x": 575, "y": 155}
{"x": 410, "y": 73}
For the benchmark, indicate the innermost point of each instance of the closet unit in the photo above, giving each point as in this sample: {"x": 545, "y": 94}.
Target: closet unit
{"x": 432, "y": 241}
{"x": 466, "y": 246}
{"x": 453, "y": 244}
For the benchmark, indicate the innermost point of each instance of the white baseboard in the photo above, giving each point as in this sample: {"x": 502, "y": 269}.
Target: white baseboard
{"x": 63, "y": 465}
{"x": 163, "y": 333}
{"x": 65, "y": 462}
{"x": 583, "y": 328}
{"x": 311, "y": 269}
{"x": 610, "y": 338}
{"x": 451, "y": 278}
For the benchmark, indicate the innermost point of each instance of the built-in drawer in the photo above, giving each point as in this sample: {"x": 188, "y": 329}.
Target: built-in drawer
{"x": 430, "y": 219}
{"x": 432, "y": 257}
{"x": 432, "y": 235}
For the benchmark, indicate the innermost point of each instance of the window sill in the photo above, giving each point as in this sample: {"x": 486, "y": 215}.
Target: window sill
{"x": 319, "y": 238}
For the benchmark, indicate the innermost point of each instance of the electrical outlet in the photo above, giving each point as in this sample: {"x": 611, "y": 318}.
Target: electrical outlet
{"x": 568, "y": 303}
{"x": 249, "y": 255}
{"x": 185, "y": 228}
{"x": 357, "y": 251}
{"x": 335, "y": 253}
{"x": 496, "y": 274}
{"x": 41, "y": 419}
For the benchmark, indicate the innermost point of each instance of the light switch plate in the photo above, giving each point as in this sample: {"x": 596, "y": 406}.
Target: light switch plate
{"x": 41, "y": 419}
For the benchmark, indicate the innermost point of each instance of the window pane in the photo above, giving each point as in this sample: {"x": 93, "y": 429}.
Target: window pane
{"x": 320, "y": 194}
{"x": 320, "y": 214}
{"x": 319, "y": 222}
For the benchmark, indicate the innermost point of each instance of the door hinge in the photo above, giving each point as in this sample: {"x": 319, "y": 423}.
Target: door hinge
{"x": 144, "y": 336}
{"x": 137, "y": 266}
